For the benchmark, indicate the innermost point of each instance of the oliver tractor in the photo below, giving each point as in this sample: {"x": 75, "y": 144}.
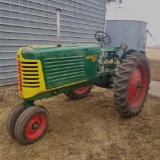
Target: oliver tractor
{"x": 73, "y": 70}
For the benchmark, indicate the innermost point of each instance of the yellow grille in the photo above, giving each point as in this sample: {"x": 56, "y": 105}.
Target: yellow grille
{"x": 30, "y": 74}
{"x": 32, "y": 78}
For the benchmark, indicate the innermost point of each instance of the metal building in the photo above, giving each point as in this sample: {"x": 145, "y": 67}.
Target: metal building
{"x": 33, "y": 22}
{"x": 131, "y": 32}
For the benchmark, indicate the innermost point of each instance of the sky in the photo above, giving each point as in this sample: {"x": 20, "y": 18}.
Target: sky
{"x": 144, "y": 10}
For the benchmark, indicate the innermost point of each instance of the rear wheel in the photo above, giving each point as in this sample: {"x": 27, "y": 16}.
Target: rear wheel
{"x": 79, "y": 92}
{"x": 31, "y": 125}
{"x": 132, "y": 84}
{"x": 12, "y": 118}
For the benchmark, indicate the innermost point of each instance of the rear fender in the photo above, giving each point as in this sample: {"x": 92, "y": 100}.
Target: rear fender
{"x": 125, "y": 54}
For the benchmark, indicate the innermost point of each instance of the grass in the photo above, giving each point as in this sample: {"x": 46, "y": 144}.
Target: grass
{"x": 88, "y": 129}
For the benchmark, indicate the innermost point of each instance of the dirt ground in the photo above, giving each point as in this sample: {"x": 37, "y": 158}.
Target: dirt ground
{"x": 155, "y": 69}
{"x": 154, "y": 56}
{"x": 86, "y": 129}
{"x": 153, "y": 53}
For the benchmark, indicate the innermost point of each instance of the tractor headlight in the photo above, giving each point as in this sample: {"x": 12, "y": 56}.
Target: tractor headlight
{"x": 124, "y": 46}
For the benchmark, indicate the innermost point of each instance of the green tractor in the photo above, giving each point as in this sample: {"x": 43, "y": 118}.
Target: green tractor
{"x": 46, "y": 71}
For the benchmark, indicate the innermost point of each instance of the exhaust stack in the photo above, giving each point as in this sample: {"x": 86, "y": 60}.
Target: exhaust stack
{"x": 58, "y": 28}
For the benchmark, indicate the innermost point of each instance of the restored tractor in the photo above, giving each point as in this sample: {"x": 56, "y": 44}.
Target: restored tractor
{"x": 73, "y": 70}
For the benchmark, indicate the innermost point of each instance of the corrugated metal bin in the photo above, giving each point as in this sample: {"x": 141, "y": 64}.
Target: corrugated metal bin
{"x": 32, "y": 22}
{"x": 131, "y": 32}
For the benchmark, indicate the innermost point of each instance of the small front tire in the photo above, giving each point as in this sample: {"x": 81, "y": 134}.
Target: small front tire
{"x": 12, "y": 118}
{"x": 31, "y": 125}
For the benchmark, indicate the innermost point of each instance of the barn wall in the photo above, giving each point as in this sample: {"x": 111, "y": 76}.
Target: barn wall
{"x": 33, "y": 22}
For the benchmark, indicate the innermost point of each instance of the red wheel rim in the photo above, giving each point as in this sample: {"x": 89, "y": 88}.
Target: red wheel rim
{"x": 137, "y": 86}
{"x": 35, "y": 126}
{"x": 82, "y": 90}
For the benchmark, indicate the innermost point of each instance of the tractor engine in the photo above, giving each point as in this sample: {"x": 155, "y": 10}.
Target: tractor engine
{"x": 51, "y": 69}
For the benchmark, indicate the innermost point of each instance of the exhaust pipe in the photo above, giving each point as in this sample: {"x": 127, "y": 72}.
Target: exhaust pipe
{"x": 58, "y": 28}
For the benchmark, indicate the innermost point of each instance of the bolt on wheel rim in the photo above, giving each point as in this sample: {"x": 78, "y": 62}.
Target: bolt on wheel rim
{"x": 35, "y": 126}
{"x": 137, "y": 86}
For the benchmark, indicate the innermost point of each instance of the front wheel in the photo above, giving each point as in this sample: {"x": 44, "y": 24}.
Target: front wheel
{"x": 12, "y": 118}
{"x": 79, "y": 92}
{"x": 132, "y": 84}
{"x": 31, "y": 125}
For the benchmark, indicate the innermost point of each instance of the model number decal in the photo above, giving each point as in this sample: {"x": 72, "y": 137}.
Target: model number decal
{"x": 92, "y": 57}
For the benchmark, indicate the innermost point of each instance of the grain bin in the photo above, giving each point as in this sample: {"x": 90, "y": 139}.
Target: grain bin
{"x": 132, "y": 32}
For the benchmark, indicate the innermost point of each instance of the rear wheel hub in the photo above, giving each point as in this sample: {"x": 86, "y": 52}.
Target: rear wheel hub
{"x": 137, "y": 86}
{"x": 35, "y": 126}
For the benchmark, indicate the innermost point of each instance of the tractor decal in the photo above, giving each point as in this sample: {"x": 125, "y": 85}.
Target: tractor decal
{"x": 92, "y": 57}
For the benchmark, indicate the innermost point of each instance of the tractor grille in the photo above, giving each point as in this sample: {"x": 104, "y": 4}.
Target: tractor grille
{"x": 30, "y": 75}
{"x": 66, "y": 69}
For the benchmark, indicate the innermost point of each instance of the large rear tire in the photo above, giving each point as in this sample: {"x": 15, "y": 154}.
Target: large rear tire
{"x": 79, "y": 92}
{"x": 132, "y": 84}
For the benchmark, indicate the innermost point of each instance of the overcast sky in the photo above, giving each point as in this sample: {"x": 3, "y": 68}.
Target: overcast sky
{"x": 145, "y": 10}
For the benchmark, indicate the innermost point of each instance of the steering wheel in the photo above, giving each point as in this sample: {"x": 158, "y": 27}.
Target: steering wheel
{"x": 101, "y": 37}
